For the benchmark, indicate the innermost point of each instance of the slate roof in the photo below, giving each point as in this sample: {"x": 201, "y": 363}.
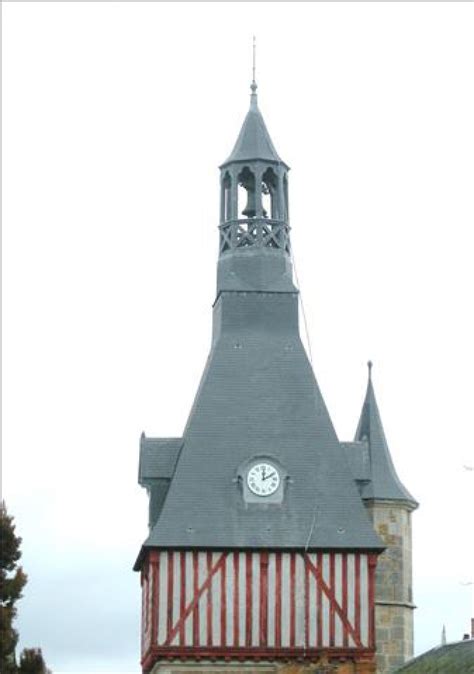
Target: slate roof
{"x": 357, "y": 454}
{"x": 255, "y": 271}
{"x": 384, "y": 482}
{"x": 258, "y": 398}
{"x": 456, "y": 658}
{"x": 254, "y": 141}
{"x": 157, "y": 458}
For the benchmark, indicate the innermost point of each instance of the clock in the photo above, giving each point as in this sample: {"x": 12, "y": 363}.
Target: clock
{"x": 263, "y": 479}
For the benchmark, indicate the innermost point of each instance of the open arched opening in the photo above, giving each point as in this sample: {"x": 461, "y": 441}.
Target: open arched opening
{"x": 270, "y": 194}
{"x": 226, "y": 213}
{"x": 286, "y": 213}
{"x": 246, "y": 193}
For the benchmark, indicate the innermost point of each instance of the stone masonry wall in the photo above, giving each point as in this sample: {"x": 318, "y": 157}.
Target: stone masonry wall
{"x": 393, "y": 585}
{"x": 321, "y": 667}
{"x": 394, "y": 636}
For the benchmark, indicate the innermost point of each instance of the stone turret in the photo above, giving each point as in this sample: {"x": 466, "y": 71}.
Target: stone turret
{"x": 389, "y": 505}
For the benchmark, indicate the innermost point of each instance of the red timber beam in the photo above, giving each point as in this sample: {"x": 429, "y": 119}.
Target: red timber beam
{"x": 259, "y": 604}
{"x": 372, "y": 560}
{"x": 155, "y": 584}
{"x": 334, "y": 606}
{"x": 212, "y": 570}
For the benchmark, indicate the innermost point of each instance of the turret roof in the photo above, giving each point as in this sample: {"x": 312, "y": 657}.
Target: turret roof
{"x": 384, "y": 482}
{"x": 254, "y": 141}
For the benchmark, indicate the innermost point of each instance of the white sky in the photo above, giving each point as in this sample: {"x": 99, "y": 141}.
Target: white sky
{"x": 115, "y": 118}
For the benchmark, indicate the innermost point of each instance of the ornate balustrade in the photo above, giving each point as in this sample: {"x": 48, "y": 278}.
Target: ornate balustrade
{"x": 256, "y": 233}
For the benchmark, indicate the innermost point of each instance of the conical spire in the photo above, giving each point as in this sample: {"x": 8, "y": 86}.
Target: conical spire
{"x": 384, "y": 482}
{"x": 254, "y": 141}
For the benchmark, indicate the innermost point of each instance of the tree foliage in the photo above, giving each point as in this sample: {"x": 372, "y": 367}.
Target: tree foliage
{"x": 12, "y": 581}
{"x": 32, "y": 662}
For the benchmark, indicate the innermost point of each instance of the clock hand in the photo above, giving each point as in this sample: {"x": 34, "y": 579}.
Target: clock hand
{"x": 267, "y": 477}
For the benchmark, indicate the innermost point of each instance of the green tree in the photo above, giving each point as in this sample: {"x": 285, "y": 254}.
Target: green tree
{"x": 31, "y": 662}
{"x": 12, "y": 582}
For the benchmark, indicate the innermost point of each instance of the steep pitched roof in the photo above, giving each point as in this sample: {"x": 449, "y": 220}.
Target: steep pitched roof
{"x": 384, "y": 482}
{"x": 254, "y": 141}
{"x": 258, "y": 398}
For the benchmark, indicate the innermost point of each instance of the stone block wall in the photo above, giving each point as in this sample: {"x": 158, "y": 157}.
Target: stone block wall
{"x": 323, "y": 666}
{"x": 394, "y": 636}
{"x": 393, "y": 585}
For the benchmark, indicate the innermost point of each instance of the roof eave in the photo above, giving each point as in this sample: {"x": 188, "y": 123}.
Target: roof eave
{"x": 245, "y": 160}
{"x": 408, "y": 503}
{"x": 139, "y": 560}
{"x": 368, "y": 549}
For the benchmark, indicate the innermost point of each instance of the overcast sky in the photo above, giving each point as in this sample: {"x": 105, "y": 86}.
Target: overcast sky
{"x": 115, "y": 118}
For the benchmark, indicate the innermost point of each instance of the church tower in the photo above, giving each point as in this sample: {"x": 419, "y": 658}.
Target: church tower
{"x": 261, "y": 555}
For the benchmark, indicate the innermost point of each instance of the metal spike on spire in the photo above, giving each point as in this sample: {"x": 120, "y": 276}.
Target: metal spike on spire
{"x": 369, "y": 365}
{"x": 253, "y": 86}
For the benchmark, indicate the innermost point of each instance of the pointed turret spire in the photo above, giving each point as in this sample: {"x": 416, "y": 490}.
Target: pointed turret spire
{"x": 384, "y": 482}
{"x": 253, "y": 141}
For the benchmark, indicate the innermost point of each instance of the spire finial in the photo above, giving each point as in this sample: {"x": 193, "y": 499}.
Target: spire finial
{"x": 253, "y": 86}
{"x": 369, "y": 365}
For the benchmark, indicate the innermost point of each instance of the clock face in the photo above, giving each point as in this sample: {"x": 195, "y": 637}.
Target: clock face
{"x": 263, "y": 479}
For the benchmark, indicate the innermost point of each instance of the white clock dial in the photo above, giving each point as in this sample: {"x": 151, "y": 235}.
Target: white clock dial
{"x": 263, "y": 479}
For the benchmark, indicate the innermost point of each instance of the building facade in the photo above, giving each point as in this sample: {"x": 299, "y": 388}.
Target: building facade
{"x": 264, "y": 530}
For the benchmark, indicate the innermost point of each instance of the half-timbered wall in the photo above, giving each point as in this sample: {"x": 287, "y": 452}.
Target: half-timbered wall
{"x": 262, "y": 602}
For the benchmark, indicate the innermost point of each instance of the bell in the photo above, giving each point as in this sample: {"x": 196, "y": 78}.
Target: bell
{"x": 250, "y": 209}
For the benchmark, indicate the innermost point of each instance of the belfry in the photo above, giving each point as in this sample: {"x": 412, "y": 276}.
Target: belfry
{"x": 263, "y": 528}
